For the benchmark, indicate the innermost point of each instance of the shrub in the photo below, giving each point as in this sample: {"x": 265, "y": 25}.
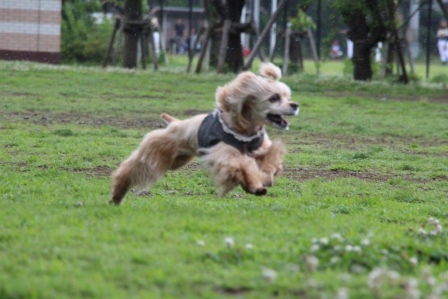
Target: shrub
{"x": 82, "y": 39}
{"x": 440, "y": 78}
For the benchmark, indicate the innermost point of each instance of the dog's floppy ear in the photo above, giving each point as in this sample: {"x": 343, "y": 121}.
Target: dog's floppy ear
{"x": 233, "y": 95}
{"x": 270, "y": 71}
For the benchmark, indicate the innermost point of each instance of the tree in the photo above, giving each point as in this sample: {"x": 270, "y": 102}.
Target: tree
{"x": 368, "y": 24}
{"x": 133, "y": 12}
{"x": 226, "y": 15}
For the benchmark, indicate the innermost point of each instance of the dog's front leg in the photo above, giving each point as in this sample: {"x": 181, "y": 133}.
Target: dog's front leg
{"x": 269, "y": 160}
{"x": 230, "y": 168}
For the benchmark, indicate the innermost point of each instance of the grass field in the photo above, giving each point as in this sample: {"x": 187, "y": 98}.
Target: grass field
{"x": 359, "y": 212}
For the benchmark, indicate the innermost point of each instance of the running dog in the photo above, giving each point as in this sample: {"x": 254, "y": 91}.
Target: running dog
{"x": 232, "y": 141}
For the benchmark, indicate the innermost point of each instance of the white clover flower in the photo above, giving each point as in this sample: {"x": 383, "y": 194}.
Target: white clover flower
{"x": 337, "y": 236}
{"x": 314, "y": 248}
{"x": 314, "y": 240}
{"x": 342, "y": 294}
{"x": 421, "y": 231}
{"x": 365, "y": 242}
{"x": 345, "y": 277}
{"x": 438, "y": 228}
{"x": 348, "y": 248}
{"x": 294, "y": 268}
{"x": 312, "y": 262}
{"x": 269, "y": 274}
{"x": 200, "y": 243}
{"x": 229, "y": 242}
{"x": 433, "y": 233}
{"x": 357, "y": 249}
{"x": 411, "y": 289}
{"x": 337, "y": 247}
{"x": 375, "y": 277}
{"x": 393, "y": 275}
{"x": 356, "y": 268}
{"x": 428, "y": 278}
{"x": 414, "y": 261}
{"x": 323, "y": 241}
{"x": 311, "y": 283}
{"x": 384, "y": 251}
{"x": 335, "y": 259}
{"x": 248, "y": 246}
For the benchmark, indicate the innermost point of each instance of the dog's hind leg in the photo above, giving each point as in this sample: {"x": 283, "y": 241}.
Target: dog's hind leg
{"x": 155, "y": 156}
{"x": 122, "y": 182}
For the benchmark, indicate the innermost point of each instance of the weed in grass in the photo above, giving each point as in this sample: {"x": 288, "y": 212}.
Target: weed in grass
{"x": 361, "y": 156}
{"x": 64, "y": 132}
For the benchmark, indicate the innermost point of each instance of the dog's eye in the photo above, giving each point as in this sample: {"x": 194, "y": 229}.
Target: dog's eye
{"x": 274, "y": 98}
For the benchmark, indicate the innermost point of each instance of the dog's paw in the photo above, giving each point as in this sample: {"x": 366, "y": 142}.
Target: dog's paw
{"x": 261, "y": 191}
{"x": 114, "y": 202}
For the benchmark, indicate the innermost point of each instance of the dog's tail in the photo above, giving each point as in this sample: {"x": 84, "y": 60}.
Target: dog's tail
{"x": 270, "y": 71}
{"x": 168, "y": 118}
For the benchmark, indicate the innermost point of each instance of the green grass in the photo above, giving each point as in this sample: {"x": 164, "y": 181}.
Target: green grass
{"x": 367, "y": 161}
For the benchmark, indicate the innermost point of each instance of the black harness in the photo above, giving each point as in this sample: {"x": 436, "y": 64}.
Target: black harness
{"x": 211, "y": 132}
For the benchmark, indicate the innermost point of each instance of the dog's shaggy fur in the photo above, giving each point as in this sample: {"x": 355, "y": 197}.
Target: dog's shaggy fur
{"x": 244, "y": 106}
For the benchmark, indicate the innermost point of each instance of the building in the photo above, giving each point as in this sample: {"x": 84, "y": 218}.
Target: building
{"x": 30, "y": 30}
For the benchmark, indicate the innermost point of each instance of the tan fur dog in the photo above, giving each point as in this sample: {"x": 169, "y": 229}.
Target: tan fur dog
{"x": 232, "y": 140}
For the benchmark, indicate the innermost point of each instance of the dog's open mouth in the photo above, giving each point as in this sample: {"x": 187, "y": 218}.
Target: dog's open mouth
{"x": 278, "y": 121}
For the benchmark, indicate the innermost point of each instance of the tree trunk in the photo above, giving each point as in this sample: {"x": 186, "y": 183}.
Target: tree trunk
{"x": 364, "y": 34}
{"x": 234, "y": 55}
{"x": 295, "y": 50}
{"x": 229, "y": 10}
{"x": 361, "y": 61}
{"x": 133, "y": 12}
{"x": 389, "y": 70}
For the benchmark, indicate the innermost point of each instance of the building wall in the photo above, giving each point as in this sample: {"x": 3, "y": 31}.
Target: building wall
{"x": 30, "y": 30}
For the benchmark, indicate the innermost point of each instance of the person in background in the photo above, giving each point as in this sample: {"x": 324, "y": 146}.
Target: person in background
{"x": 192, "y": 41}
{"x": 349, "y": 43}
{"x": 336, "y": 51}
{"x": 181, "y": 45}
{"x": 154, "y": 21}
{"x": 378, "y": 48}
{"x": 349, "y": 48}
{"x": 442, "y": 41}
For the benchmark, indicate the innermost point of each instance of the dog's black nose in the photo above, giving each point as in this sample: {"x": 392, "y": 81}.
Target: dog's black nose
{"x": 294, "y": 106}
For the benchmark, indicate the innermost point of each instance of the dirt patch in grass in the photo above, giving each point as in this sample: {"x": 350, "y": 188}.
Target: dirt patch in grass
{"x": 299, "y": 174}
{"x": 48, "y": 118}
{"x": 98, "y": 171}
{"x": 147, "y": 97}
{"x": 407, "y": 98}
{"x": 356, "y": 142}
{"x": 16, "y": 94}
{"x": 235, "y": 291}
{"x": 193, "y": 112}
{"x": 306, "y": 174}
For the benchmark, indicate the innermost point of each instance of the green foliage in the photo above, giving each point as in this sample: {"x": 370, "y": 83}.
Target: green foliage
{"x": 302, "y": 22}
{"x": 83, "y": 40}
{"x": 440, "y": 78}
{"x": 348, "y": 67}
